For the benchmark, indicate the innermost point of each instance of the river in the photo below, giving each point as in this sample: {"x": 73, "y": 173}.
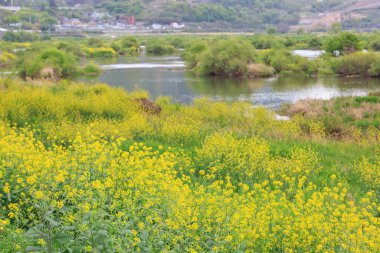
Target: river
{"x": 167, "y": 76}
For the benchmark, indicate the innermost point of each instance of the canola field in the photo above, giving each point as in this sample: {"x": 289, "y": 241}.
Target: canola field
{"x": 92, "y": 169}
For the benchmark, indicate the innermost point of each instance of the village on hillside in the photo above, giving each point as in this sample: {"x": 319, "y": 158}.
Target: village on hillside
{"x": 358, "y": 15}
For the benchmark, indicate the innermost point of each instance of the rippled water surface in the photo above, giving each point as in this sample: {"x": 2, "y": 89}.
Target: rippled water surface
{"x": 167, "y": 76}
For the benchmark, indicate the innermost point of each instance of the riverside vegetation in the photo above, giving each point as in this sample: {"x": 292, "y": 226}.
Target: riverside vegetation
{"x": 226, "y": 56}
{"x": 89, "y": 168}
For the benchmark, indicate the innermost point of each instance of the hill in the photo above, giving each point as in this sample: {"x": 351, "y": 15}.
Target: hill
{"x": 224, "y": 14}
{"x": 354, "y": 14}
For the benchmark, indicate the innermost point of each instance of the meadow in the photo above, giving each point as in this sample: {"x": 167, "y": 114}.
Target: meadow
{"x": 90, "y": 168}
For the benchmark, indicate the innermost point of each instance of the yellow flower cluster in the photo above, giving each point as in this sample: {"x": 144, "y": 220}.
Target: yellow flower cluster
{"x": 369, "y": 171}
{"x": 99, "y": 52}
{"x": 152, "y": 198}
{"x": 84, "y": 169}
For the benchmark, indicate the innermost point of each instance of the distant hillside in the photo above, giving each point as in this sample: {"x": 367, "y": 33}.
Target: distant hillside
{"x": 249, "y": 14}
{"x": 359, "y": 14}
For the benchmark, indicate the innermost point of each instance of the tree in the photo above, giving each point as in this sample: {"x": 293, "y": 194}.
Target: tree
{"x": 336, "y": 28}
{"x": 343, "y": 43}
{"x": 229, "y": 57}
{"x": 47, "y": 23}
{"x": 374, "y": 44}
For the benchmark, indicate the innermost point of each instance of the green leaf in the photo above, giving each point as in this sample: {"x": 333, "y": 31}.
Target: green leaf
{"x": 63, "y": 238}
{"x": 33, "y": 232}
{"x": 33, "y": 249}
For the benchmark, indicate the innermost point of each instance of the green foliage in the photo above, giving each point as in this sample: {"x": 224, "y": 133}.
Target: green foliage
{"x": 127, "y": 45}
{"x": 6, "y": 59}
{"x": 226, "y": 57}
{"x": 20, "y": 37}
{"x": 193, "y": 51}
{"x": 122, "y": 7}
{"x": 52, "y": 63}
{"x": 106, "y": 52}
{"x": 360, "y": 64}
{"x": 260, "y": 70}
{"x": 344, "y": 43}
{"x": 91, "y": 69}
{"x": 159, "y": 47}
{"x": 374, "y": 44}
{"x": 72, "y": 47}
{"x": 339, "y": 115}
{"x": 284, "y": 62}
{"x": 374, "y": 70}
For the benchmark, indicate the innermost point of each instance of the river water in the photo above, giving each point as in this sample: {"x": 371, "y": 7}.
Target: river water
{"x": 167, "y": 76}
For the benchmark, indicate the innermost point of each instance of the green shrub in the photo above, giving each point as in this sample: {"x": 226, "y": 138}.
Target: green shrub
{"x": 51, "y": 62}
{"x": 6, "y": 59}
{"x": 193, "y": 51}
{"x": 70, "y": 46}
{"x": 284, "y": 62}
{"x": 106, "y": 52}
{"x": 374, "y": 44}
{"x": 344, "y": 43}
{"x": 374, "y": 70}
{"x": 159, "y": 47}
{"x": 127, "y": 45}
{"x": 91, "y": 69}
{"x": 95, "y": 42}
{"x": 358, "y": 64}
{"x": 229, "y": 57}
{"x": 20, "y": 37}
{"x": 260, "y": 70}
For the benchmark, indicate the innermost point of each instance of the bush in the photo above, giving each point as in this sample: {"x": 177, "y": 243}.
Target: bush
{"x": 20, "y": 37}
{"x": 51, "y": 63}
{"x": 358, "y": 64}
{"x": 6, "y": 59}
{"x": 159, "y": 47}
{"x": 127, "y": 45}
{"x": 91, "y": 69}
{"x": 100, "y": 52}
{"x": 374, "y": 70}
{"x": 285, "y": 62}
{"x": 374, "y": 44}
{"x": 70, "y": 46}
{"x": 193, "y": 51}
{"x": 95, "y": 42}
{"x": 228, "y": 57}
{"x": 344, "y": 43}
{"x": 260, "y": 70}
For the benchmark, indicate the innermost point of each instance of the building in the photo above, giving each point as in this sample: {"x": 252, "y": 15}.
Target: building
{"x": 70, "y": 22}
{"x": 128, "y": 20}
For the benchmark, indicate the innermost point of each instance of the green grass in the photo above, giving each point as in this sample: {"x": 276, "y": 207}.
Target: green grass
{"x": 335, "y": 157}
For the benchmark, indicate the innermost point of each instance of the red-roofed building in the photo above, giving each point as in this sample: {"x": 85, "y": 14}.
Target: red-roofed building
{"x": 130, "y": 20}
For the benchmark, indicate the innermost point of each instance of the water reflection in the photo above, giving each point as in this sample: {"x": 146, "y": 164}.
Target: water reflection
{"x": 183, "y": 87}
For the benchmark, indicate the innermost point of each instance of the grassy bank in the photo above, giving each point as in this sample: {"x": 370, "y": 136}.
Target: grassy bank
{"x": 93, "y": 168}
{"x": 340, "y": 114}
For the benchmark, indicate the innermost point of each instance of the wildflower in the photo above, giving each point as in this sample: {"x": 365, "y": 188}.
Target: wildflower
{"x": 41, "y": 242}
{"x": 60, "y": 204}
{"x": 96, "y": 184}
{"x": 38, "y": 195}
{"x": 6, "y": 188}
{"x": 229, "y": 238}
